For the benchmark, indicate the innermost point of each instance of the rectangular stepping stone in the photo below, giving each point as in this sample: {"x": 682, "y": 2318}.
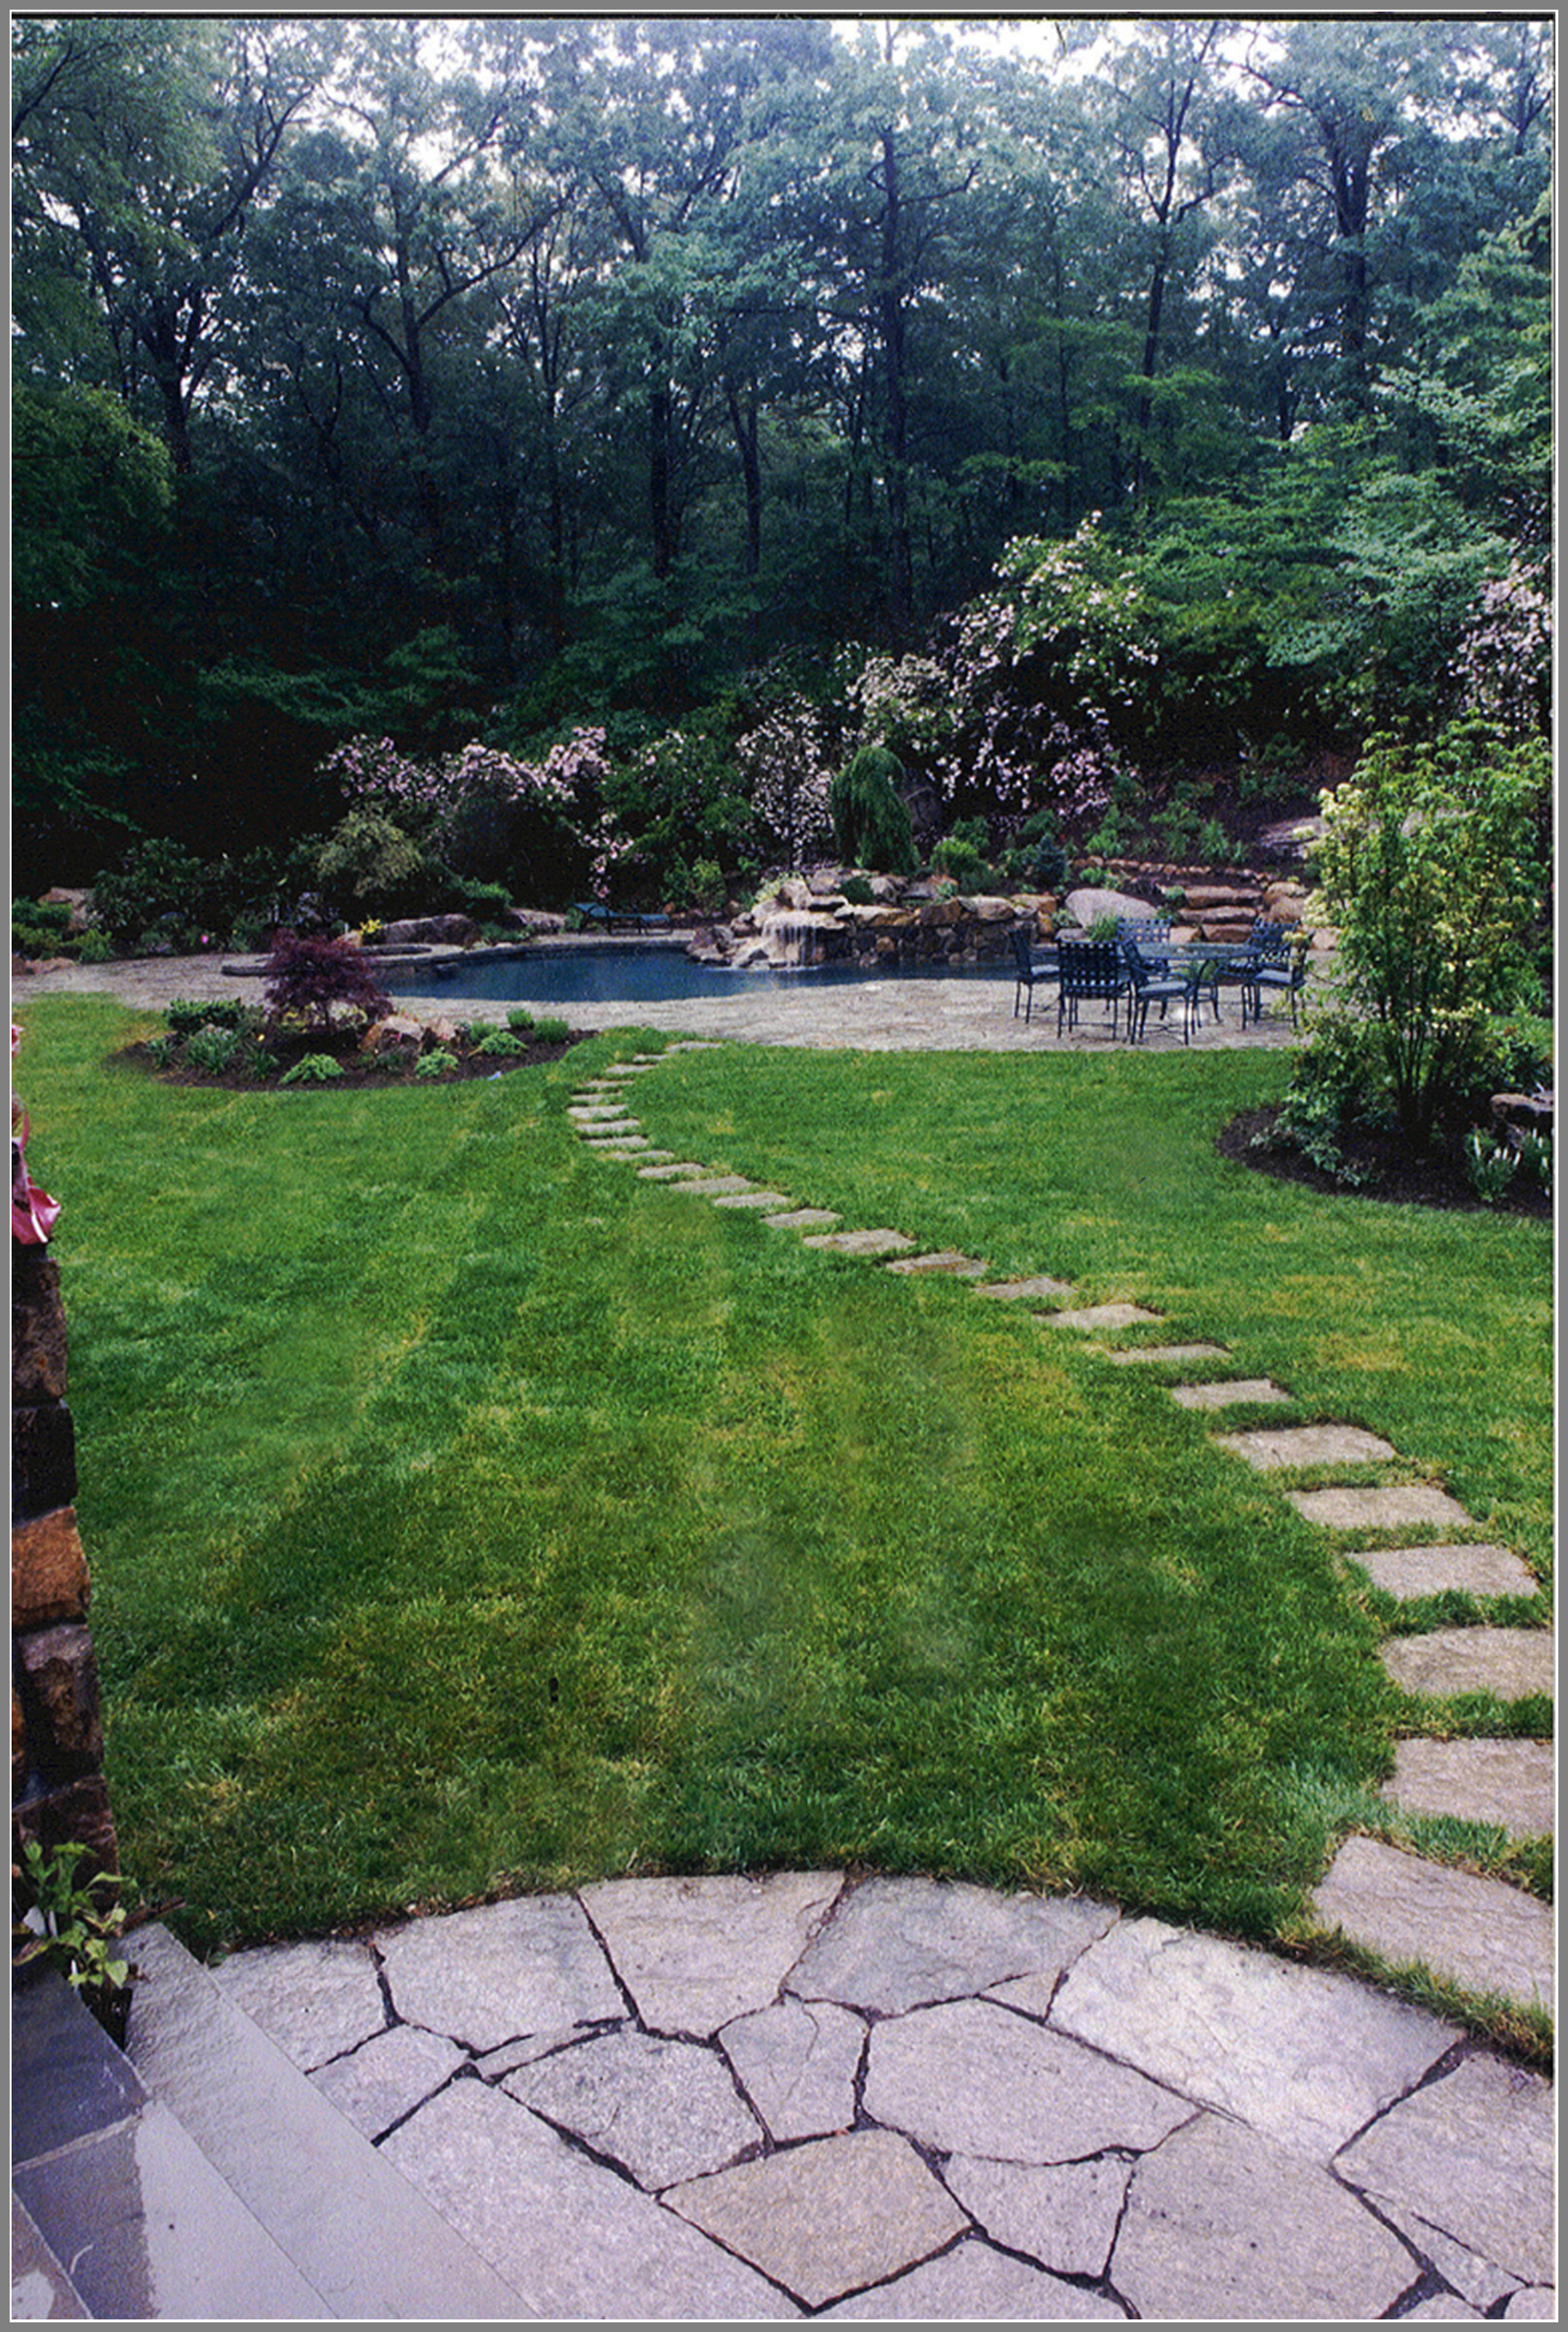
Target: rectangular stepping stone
{"x": 1101, "y": 1315}
{"x": 1041, "y": 1289}
{"x": 1476, "y": 1933}
{"x": 1398, "y": 1506}
{"x": 1308, "y": 1446}
{"x": 1409, "y": 1572}
{"x": 1227, "y": 1393}
{"x": 802, "y": 1218}
{"x": 623, "y": 1145}
{"x": 754, "y": 1198}
{"x": 1506, "y": 1782}
{"x": 1175, "y": 1356}
{"x": 961, "y": 1267}
{"x": 1511, "y": 1662}
{"x": 671, "y": 1172}
{"x": 713, "y": 1186}
{"x": 862, "y": 1243}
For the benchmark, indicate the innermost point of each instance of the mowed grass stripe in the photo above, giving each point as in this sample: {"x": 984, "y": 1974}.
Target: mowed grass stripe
{"x": 552, "y": 1527}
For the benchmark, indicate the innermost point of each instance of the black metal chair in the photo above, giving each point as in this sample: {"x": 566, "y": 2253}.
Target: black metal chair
{"x": 1280, "y": 963}
{"x": 1091, "y": 971}
{"x": 1150, "y": 935}
{"x": 1026, "y": 971}
{"x": 1145, "y": 988}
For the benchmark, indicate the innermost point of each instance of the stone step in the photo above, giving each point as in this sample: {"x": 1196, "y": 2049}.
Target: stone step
{"x": 1101, "y": 1315}
{"x": 1476, "y": 1932}
{"x": 1310, "y": 1445}
{"x": 362, "y": 2241}
{"x": 125, "y": 2217}
{"x": 1226, "y": 1392}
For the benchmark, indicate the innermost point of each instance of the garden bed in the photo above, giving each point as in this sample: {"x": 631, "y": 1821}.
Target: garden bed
{"x": 356, "y": 1070}
{"x": 1378, "y": 1164}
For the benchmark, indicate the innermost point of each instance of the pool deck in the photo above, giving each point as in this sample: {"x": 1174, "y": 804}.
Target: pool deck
{"x": 879, "y": 1015}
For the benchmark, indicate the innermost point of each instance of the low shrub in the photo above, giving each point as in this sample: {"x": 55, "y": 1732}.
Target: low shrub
{"x": 520, "y": 1019}
{"x": 37, "y": 927}
{"x": 211, "y": 1050}
{"x": 1491, "y": 1166}
{"x": 499, "y": 1043}
{"x": 436, "y": 1063}
{"x": 551, "y": 1032}
{"x": 186, "y": 1013}
{"x": 312, "y": 1069}
{"x": 93, "y": 946}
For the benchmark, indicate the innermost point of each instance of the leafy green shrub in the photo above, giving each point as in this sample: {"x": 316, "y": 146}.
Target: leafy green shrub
{"x": 158, "y": 892}
{"x": 368, "y": 866}
{"x": 93, "y": 946}
{"x": 499, "y": 1043}
{"x": 870, "y": 821}
{"x": 520, "y": 1020}
{"x": 161, "y": 1050}
{"x": 705, "y": 888}
{"x": 857, "y": 891}
{"x": 436, "y": 1063}
{"x": 312, "y": 1069}
{"x": 1431, "y": 867}
{"x": 211, "y": 1050}
{"x": 37, "y": 927}
{"x": 552, "y": 1031}
{"x": 186, "y": 1013}
{"x": 1536, "y": 1159}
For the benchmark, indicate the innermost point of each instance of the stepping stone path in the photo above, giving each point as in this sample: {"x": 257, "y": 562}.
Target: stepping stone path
{"x": 1478, "y": 1934}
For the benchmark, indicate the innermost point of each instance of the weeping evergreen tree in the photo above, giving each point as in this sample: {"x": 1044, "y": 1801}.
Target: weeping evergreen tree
{"x": 871, "y": 820}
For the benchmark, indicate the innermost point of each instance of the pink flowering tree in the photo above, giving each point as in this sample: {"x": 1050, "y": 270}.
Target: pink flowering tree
{"x": 1503, "y": 667}
{"x": 785, "y": 763}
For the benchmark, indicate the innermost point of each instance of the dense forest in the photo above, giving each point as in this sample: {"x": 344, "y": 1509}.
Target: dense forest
{"x": 454, "y": 425}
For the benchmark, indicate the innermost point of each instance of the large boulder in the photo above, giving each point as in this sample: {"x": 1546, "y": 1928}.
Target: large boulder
{"x": 1089, "y": 907}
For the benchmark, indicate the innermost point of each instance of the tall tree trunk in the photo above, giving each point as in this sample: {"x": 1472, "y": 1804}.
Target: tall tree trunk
{"x": 891, "y": 319}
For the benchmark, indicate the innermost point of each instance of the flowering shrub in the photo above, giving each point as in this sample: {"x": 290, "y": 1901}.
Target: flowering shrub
{"x": 1503, "y": 667}
{"x": 784, "y": 763}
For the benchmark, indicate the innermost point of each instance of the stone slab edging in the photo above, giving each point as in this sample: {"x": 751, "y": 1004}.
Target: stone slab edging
{"x": 1509, "y": 1662}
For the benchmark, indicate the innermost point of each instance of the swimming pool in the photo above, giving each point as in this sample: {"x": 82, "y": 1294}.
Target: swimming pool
{"x": 606, "y": 972}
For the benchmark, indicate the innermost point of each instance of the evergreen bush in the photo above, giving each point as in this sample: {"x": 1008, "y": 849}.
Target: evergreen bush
{"x": 870, "y": 821}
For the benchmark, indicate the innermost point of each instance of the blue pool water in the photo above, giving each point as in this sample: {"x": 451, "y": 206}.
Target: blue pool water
{"x": 645, "y": 975}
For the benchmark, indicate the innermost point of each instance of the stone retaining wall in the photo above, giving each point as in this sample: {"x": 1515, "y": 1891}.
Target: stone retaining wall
{"x": 57, "y": 1785}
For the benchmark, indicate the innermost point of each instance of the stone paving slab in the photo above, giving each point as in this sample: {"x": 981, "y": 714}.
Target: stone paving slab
{"x": 1409, "y": 1572}
{"x": 1511, "y": 1783}
{"x": 827, "y": 2219}
{"x": 1306, "y": 2056}
{"x": 1476, "y": 1933}
{"x": 863, "y": 1243}
{"x": 572, "y": 2239}
{"x": 1392, "y": 1506}
{"x": 1222, "y": 2225}
{"x": 1041, "y": 1289}
{"x": 946, "y": 1259}
{"x": 901, "y": 1943}
{"x": 802, "y": 1218}
{"x": 1308, "y": 1445}
{"x": 1064, "y": 2215}
{"x": 973, "y": 2284}
{"x": 621, "y": 1145}
{"x": 1101, "y": 1315}
{"x": 665, "y": 2110}
{"x": 316, "y": 2000}
{"x": 1175, "y": 1356}
{"x": 676, "y": 1170}
{"x": 378, "y": 2083}
{"x": 504, "y": 1970}
{"x": 968, "y": 2076}
{"x": 1226, "y": 1392}
{"x": 797, "y": 2062}
{"x": 695, "y": 1953}
{"x": 771, "y": 1200}
{"x": 1511, "y": 1662}
{"x": 1473, "y": 2153}
{"x": 713, "y": 1186}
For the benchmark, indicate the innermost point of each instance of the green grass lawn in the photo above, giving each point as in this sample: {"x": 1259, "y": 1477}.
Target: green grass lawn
{"x": 468, "y": 1515}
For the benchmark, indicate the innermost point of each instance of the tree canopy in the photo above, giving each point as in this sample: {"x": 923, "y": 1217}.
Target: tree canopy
{"x": 484, "y": 379}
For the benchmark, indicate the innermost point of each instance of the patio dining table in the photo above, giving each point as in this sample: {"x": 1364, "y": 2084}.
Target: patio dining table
{"x": 1203, "y": 964}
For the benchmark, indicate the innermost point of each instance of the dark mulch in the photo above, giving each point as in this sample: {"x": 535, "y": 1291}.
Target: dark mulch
{"x": 1392, "y": 1171}
{"x": 361, "y": 1072}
